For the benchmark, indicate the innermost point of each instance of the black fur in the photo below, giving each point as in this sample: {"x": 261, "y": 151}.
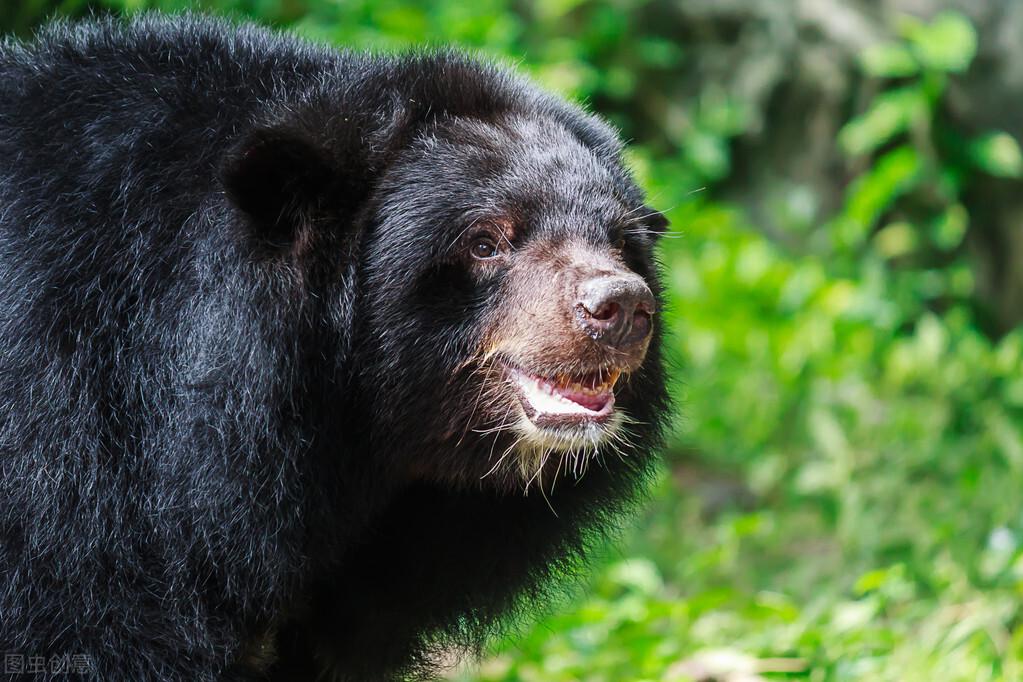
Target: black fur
{"x": 229, "y": 325}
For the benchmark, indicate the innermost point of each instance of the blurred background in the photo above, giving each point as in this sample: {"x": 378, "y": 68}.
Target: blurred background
{"x": 842, "y": 493}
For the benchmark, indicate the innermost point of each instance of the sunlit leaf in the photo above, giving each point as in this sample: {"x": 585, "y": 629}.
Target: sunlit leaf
{"x": 950, "y": 227}
{"x": 889, "y": 60}
{"x": 891, "y": 113}
{"x": 896, "y": 240}
{"x": 949, "y": 43}
{"x": 873, "y": 193}
{"x": 998, "y": 154}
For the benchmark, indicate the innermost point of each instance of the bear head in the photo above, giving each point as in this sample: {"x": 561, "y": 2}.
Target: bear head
{"x": 500, "y": 286}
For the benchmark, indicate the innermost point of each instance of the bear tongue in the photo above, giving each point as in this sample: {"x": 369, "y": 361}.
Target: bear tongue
{"x": 595, "y": 401}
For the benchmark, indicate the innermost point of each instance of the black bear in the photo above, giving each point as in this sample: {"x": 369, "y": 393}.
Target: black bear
{"x": 313, "y": 364}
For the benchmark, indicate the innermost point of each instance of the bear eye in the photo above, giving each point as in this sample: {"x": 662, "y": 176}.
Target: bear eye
{"x": 483, "y": 247}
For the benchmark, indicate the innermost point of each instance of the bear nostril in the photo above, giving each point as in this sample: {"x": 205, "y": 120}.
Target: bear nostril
{"x": 616, "y": 310}
{"x": 606, "y": 311}
{"x": 641, "y": 325}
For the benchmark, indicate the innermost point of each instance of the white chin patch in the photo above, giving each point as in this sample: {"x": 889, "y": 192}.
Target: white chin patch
{"x": 582, "y": 439}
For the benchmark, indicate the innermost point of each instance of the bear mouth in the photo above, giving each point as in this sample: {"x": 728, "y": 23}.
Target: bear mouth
{"x": 565, "y": 400}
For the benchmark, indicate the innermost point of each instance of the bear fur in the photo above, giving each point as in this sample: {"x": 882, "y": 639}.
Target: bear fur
{"x": 228, "y": 338}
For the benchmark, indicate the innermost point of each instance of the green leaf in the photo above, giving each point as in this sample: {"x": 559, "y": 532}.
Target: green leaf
{"x": 950, "y": 227}
{"x": 949, "y": 43}
{"x": 896, "y": 240}
{"x": 890, "y": 114}
{"x": 889, "y": 60}
{"x": 873, "y": 193}
{"x": 997, "y": 154}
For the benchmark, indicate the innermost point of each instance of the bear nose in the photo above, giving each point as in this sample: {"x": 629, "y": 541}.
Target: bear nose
{"x": 616, "y": 310}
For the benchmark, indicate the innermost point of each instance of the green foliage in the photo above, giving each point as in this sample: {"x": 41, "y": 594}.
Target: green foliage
{"x": 948, "y": 43}
{"x": 841, "y": 498}
{"x": 997, "y": 154}
{"x": 906, "y": 209}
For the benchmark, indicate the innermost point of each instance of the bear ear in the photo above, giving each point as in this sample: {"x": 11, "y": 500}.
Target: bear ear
{"x": 277, "y": 177}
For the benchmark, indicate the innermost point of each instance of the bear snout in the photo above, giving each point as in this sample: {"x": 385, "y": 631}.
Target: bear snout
{"x": 616, "y": 310}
